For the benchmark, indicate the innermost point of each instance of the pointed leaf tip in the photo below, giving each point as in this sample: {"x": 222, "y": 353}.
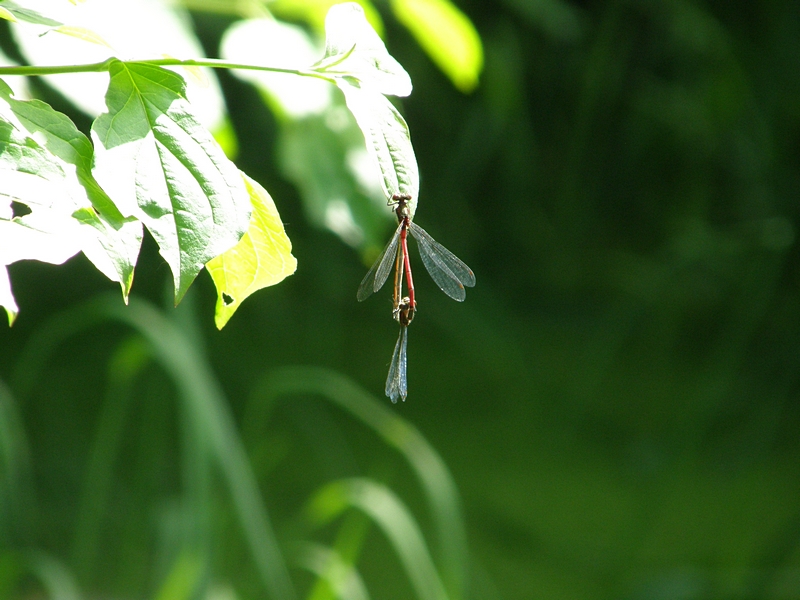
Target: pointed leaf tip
{"x": 353, "y": 49}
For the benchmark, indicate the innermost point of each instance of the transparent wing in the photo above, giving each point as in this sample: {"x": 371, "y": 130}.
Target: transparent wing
{"x": 376, "y": 276}
{"x": 445, "y": 268}
{"x": 396, "y": 384}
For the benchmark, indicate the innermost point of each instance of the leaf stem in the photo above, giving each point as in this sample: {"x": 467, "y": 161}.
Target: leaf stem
{"x": 213, "y": 63}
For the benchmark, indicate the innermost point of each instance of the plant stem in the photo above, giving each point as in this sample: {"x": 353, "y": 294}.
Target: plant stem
{"x": 100, "y": 67}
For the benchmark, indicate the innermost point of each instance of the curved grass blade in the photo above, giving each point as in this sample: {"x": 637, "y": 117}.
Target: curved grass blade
{"x": 393, "y": 517}
{"x": 124, "y": 365}
{"x": 327, "y": 564}
{"x": 446, "y": 269}
{"x": 396, "y": 382}
{"x": 16, "y": 474}
{"x": 379, "y": 272}
{"x": 431, "y": 471}
{"x": 57, "y": 580}
{"x": 181, "y": 358}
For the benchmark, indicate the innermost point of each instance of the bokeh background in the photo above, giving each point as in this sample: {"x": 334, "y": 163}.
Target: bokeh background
{"x": 616, "y": 400}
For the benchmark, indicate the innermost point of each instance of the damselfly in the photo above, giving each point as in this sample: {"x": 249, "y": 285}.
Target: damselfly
{"x": 446, "y": 269}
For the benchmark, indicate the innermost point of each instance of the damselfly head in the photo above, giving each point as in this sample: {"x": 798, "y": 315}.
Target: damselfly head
{"x": 401, "y": 204}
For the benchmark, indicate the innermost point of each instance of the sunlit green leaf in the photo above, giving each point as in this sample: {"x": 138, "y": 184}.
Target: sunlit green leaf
{"x": 362, "y": 68}
{"x": 388, "y": 140}
{"x": 31, "y": 175}
{"x": 112, "y": 249}
{"x": 354, "y": 50}
{"x": 263, "y": 257}
{"x": 65, "y": 158}
{"x": 314, "y": 12}
{"x": 447, "y": 35}
{"x": 159, "y": 164}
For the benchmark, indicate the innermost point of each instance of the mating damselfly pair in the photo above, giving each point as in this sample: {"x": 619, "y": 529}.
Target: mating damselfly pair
{"x": 446, "y": 269}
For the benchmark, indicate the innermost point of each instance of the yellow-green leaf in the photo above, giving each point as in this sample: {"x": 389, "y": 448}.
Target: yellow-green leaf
{"x": 447, "y": 35}
{"x": 263, "y": 256}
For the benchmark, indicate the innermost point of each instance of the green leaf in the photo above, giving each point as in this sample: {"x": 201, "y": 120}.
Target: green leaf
{"x": 354, "y": 50}
{"x": 447, "y": 35}
{"x": 362, "y": 68}
{"x": 19, "y": 13}
{"x": 112, "y": 249}
{"x": 263, "y": 256}
{"x": 30, "y": 175}
{"x": 388, "y": 140}
{"x": 65, "y": 160}
{"x": 159, "y": 164}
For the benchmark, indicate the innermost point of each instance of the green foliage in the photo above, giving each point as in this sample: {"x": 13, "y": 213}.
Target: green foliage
{"x": 154, "y": 164}
{"x": 618, "y": 400}
{"x": 162, "y": 167}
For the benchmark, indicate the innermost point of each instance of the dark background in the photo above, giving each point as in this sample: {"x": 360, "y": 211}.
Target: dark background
{"x": 617, "y": 399}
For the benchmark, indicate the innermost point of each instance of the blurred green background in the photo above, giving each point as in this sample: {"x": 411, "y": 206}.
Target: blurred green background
{"x": 616, "y": 400}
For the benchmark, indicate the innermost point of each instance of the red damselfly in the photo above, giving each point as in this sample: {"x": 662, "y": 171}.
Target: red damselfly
{"x": 446, "y": 269}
